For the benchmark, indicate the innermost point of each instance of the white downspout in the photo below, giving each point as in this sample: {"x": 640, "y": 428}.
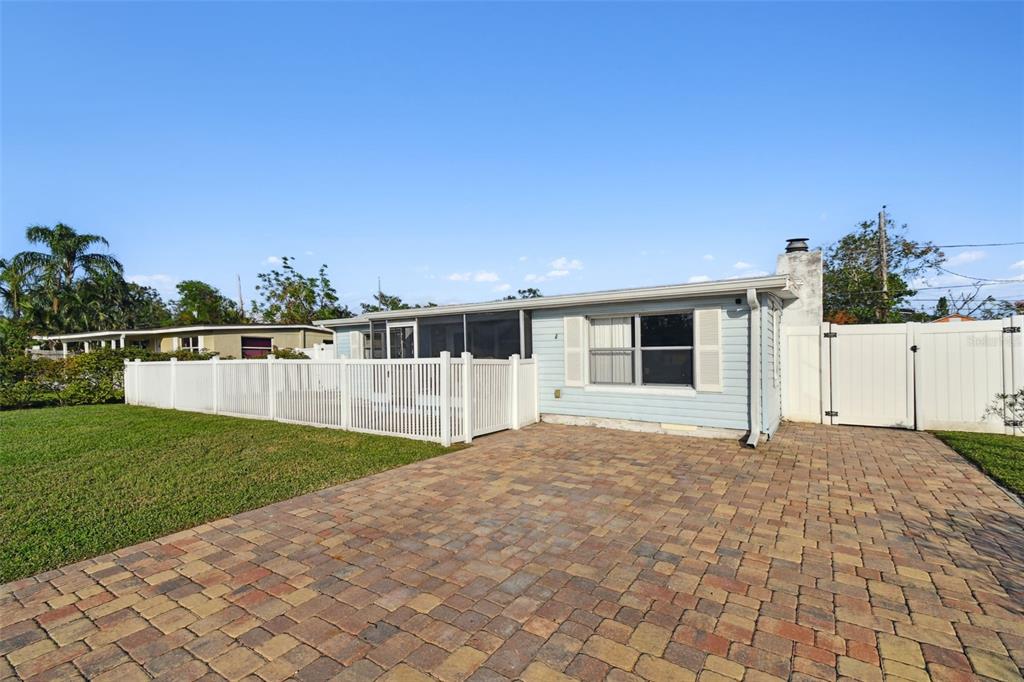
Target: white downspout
{"x": 755, "y": 368}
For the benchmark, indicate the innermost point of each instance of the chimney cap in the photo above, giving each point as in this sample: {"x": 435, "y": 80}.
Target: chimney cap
{"x": 796, "y": 244}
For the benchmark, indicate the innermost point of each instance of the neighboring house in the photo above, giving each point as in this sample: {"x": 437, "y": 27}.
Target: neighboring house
{"x": 955, "y": 317}
{"x": 688, "y": 357}
{"x": 236, "y": 340}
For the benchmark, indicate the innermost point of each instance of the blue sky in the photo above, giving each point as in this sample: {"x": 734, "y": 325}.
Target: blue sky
{"x": 459, "y": 151}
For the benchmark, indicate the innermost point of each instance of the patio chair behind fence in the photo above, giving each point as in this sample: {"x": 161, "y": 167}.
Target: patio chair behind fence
{"x": 438, "y": 399}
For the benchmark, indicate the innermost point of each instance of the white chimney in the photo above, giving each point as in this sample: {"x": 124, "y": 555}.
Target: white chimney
{"x": 804, "y": 268}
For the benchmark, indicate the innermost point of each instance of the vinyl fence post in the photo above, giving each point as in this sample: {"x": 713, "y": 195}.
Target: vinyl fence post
{"x": 174, "y": 379}
{"x": 271, "y": 401}
{"x": 214, "y": 366}
{"x": 445, "y": 398}
{"x": 467, "y": 397}
{"x": 346, "y": 401}
{"x": 536, "y": 390}
{"x": 127, "y": 382}
{"x": 1017, "y": 356}
{"x": 513, "y": 365}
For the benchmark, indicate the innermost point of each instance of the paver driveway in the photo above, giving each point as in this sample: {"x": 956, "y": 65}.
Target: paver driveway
{"x": 580, "y": 552}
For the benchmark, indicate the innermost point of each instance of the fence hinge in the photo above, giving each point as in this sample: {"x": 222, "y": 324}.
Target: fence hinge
{"x": 1011, "y": 330}
{"x": 829, "y": 335}
{"x": 831, "y": 413}
{"x": 1013, "y": 422}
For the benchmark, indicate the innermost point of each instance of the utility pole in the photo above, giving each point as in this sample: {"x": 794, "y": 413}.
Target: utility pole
{"x": 883, "y": 264}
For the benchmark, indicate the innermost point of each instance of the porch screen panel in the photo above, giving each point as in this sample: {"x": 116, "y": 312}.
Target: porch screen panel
{"x": 493, "y": 335}
{"x": 439, "y": 334}
{"x": 611, "y": 350}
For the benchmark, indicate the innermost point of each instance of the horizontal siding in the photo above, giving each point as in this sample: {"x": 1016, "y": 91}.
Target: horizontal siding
{"x": 728, "y": 409}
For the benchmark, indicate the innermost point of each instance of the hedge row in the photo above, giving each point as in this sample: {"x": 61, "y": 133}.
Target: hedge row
{"x": 84, "y": 379}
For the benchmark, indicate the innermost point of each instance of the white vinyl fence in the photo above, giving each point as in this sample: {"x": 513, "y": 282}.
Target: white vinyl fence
{"x": 916, "y": 376}
{"x": 427, "y": 399}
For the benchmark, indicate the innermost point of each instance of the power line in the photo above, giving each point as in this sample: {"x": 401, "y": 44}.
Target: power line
{"x": 964, "y": 246}
{"x": 948, "y": 286}
{"x": 980, "y": 279}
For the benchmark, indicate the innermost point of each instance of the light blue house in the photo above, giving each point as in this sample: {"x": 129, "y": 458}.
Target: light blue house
{"x": 701, "y": 358}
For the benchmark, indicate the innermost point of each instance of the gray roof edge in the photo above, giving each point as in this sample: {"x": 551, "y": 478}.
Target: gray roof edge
{"x": 175, "y": 330}
{"x": 778, "y": 283}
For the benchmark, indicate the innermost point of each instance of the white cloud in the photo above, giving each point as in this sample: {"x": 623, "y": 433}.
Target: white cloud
{"x": 708, "y": 256}
{"x": 523, "y": 259}
{"x": 966, "y": 257}
{"x": 503, "y": 287}
{"x": 1019, "y": 265}
{"x": 272, "y": 260}
{"x": 742, "y": 265}
{"x": 479, "y": 276}
{"x": 698, "y": 278}
{"x": 560, "y": 267}
{"x": 749, "y": 273}
{"x": 163, "y": 283}
{"x": 309, "y": 253}
{"x": 564, "y": 263}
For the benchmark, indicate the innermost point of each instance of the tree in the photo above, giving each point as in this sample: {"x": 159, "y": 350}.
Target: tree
{"x": 201, "y": 303}
{"x": 289, "y": 297}
{"x": 529, "y": 292}
{"x": 17, "y": 278}
{"x": 69, "y": 255}
{"x": 972, "y": 304}
{"x": 853, "y": 291}
{"x": 141, "y": 308}
{"x": 382, "y": 301}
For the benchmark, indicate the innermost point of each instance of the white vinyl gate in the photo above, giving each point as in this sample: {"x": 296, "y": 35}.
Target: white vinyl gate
{"x": 923, "y": 376}
{"x": 427, "y": 399}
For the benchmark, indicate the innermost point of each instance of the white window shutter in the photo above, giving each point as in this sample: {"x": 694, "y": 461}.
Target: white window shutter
{"x": 707, "y": 361}
{"x": 575, "y": 350}
{"x": 355, "y": 345}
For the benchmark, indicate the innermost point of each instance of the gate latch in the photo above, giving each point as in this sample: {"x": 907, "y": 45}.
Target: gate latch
{"x": 831, "y": 413}
{"x": 1013, "y": 422}
{"x": 1011, "y": 330}
{"x": 830, "y": 335}
{"x": 913, "y": 349}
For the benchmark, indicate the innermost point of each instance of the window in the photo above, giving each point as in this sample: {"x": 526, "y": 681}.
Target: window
{"x": 611, "y": 350}
{"x": 139, "y": 343}
{"x": 189, "y": 343}
{"x": 255, "y": 347}
{"x": 655, "y": 349}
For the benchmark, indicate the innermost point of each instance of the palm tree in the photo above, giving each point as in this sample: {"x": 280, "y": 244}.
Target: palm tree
{"x": 69, "y": 254}
{"x": 16, "y": 277}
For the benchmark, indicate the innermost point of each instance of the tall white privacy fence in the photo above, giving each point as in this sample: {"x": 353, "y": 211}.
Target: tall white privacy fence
{"x": 438, "y": 399}
{"x": 923, "y": 376}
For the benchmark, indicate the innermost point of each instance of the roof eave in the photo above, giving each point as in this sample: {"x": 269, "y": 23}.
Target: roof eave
{"x": 779, "y": 284}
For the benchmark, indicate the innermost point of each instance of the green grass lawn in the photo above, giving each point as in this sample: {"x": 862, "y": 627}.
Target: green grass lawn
{"x": 76, "y": 482}
{"x": 999, "y": 456}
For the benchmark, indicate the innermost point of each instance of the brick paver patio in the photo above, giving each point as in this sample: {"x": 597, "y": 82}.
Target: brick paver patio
{"x": 561, "y": 552}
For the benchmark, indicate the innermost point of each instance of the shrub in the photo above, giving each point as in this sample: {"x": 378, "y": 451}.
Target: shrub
{"x": 84, "y": 379}
{"x": 289, "y": 354}
{"x": 1007, "y": 406}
